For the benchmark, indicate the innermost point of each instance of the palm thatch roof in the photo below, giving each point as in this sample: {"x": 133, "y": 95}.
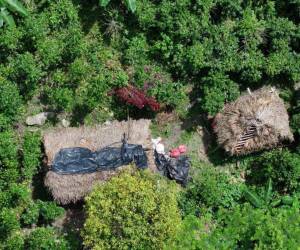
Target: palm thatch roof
{"x": 72, "y": 188}
{"x": 255, "y": 121}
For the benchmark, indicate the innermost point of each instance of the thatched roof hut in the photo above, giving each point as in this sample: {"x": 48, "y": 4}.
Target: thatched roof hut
{"x": 255, "y": 121}
{"x": 72, "y": 188}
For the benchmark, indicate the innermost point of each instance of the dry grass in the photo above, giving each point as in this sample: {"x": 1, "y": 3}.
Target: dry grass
{"x": 262, "y": 110}
{"x": 72, "y": 188}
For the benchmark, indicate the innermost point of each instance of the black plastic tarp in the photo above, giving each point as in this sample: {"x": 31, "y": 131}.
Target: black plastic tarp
{"x": 174, "y": 168}
{"x": 82, "y": 160}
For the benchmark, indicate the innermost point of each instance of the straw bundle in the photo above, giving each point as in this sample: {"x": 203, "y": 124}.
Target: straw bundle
{"x": 255, "y": 121}
{"x": 72, "y": 188}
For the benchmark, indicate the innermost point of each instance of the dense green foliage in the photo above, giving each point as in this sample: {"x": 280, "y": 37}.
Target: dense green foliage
{"x": 274, "y": 229}
{"x": 282, "y": 167}
{"x": 46, "y": 239}
{"x": 41, "y": 212}
{"x": 136, "y": 210}
{"x": 10, "y": 103}
{"x": 18, "y": 165}
{"x": 211, "y": 189}
{"x": 67, "y": 56}
{"x": 244, "y": 227}
{"x": 31, "y": 154}
{"x": 219, "y": 48}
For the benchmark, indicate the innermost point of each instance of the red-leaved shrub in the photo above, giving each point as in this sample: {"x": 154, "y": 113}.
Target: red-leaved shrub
{"x": 136, "y": 97}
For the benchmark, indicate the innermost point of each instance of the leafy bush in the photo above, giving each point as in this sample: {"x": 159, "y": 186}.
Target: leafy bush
{"x": 31, "y": 214}
{"x": 14, "y": 195}
{"x": 49, "y": 210}
{"x": 19, "y": 195}
{"x": 210, "y": 188}
{"x": 26, "y": 72}
{"x": 10, "y": 101}
{"x": 14, "y": 242}
{"x": 282, "y": 166}
{"x": 137, "y": 52}
{"x": 159, "y": 84}
{"x": 218, "y": 89}
{"x": 8, "y": 222}
{"x": 242, "y": 227}
{"x": 252, "y": 43}
{"x": 136, "y": 97}
{"x": 262, "y": 197}
{"x": 8, "y": 159}
{"x": 41, "y": 212}
{"x": 275, "y": 229}
{"x": 31, "y": 154}
{"x": 45, "y": 238}
{"x": 191, "y": 234}
{"x": 135, "y": 210}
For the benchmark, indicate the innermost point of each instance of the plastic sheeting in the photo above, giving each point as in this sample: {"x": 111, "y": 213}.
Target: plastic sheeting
{"x": 82, "y": 160}
{"x": 174, "y": 168}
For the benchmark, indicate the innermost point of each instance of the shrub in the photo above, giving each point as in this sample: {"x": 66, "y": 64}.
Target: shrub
{"x": 14, "y": 242}
{"x": 19, "y": 194}
{"x": 8, "y": 159}
{"x": 26, "y": 72}
{"x": 136, "y": 97}
{"x": 192, "y": 232}
{"x": 9, "y": 42}
{"x": 31, "y": 154}
{"x": 275, "y": 229}
{"x": 49, "y": 211}
{"x": 61, "y": 98}
{"x": 4, "y": 123}
{"x": 8, "y": 222}
{"x": 45, "y": 238}
{"x": 282, "y": 166}
{"x": 31, "y": 214}
{"x": 10, "y": 100}
{"x": 41, "y": 212}
{"x": 159, "y": 84}
{"x": 135, "y": 210}
{"x": 218, "y": 89}
{"x": 210, "y": 188}
{"x": 164, "y": 92}
{"x": 137, "y": 51}
{"x": 14, "y": 195}
{"x": 50, "y": 50}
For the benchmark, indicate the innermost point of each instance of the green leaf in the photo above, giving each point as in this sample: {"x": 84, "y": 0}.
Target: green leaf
{"x": 276, "y": 203}
{"x": 269, "y": 191}
{"x": 1, "y": 21}
{"x": 4, "y": 14}
{"x": 131, "y": 4}
{"x": 15, "y": 5}
{"x": 253, "y": 199}
{"x": 104, "y": 3}
{"x": 287, "y": 200}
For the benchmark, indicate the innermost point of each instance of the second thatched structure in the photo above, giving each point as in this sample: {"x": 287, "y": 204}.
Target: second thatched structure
{"x": 255, "y": 121}
{"x": 71, "y": 188}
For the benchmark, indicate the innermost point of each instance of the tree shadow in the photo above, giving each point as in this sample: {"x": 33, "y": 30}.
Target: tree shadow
{"x": 72, "y": 223}
{"x": 89, "y": 13}
{"x": 39, "y": 190}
